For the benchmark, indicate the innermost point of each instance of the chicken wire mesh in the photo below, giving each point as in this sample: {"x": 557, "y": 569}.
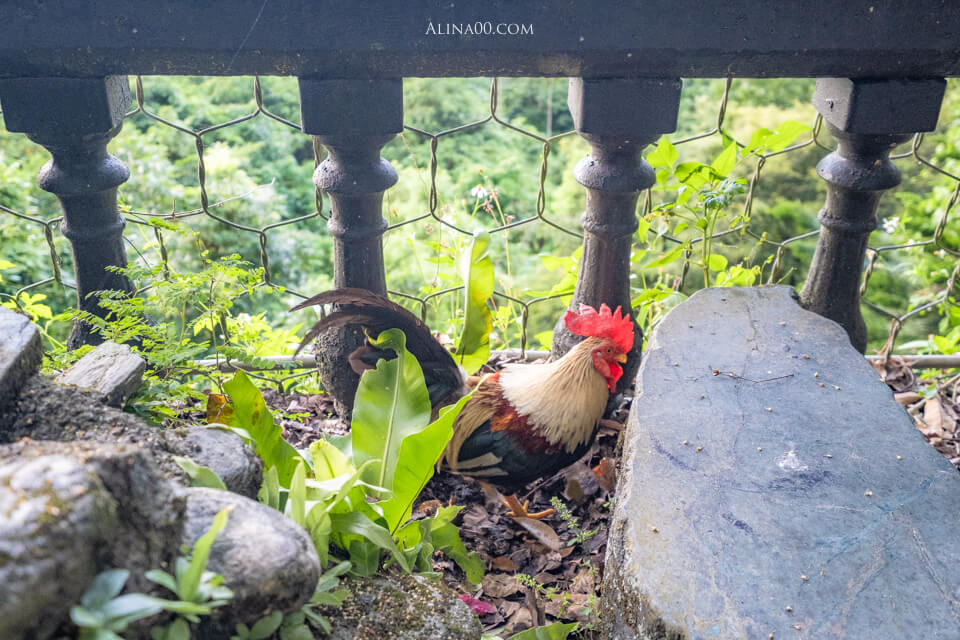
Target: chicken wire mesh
{"x": 438, "y": 229}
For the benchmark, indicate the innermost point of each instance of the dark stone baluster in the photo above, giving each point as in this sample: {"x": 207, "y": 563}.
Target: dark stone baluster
{"x": 75, "y": 119}
{"x": 618, "y": 117}
{"x": 353, "y": 120}
{"x": 868, "y": 118}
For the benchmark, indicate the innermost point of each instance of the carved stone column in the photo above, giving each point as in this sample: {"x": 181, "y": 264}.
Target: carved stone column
{"x": 868, "y": 118}
{"x": 618, "y": 117}
{"x": 353, "y": 120}
{"x": 74, "y": 119}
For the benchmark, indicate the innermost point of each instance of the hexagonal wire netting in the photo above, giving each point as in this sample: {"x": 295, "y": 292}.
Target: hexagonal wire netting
{"x": 770, "y": 249}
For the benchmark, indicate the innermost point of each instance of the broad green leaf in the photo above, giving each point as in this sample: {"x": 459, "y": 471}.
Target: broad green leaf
{"x": 330, "y": 578}
{"x": 555, "y": 631}
{"x": 726, "y": 161}
{"x": 446, "y": 538}
{"x": 328, "y": 461}
{"x": 105, "y": 586}
{"x": 551, "y": 262}
{"x": 200, "y": 476}
{"x": 201, "y": 553}
{"x": 359, "y": 524}
{"x": 664, "y": 155}
{"x": 757, "y": 140}
{"x": 643, "y": 227}
{"x": 347, "y": 486}
{"x": 162, "y": 578}
{"x": 667, "y": 258}
{"x": 251, "y": 413}
{"x": 695, "y": 174}
{"x": 131, "y": 607}
{"x": 319, "y": 526}
{"x": 295, "y": 632}
{"x": 419, "y": 453}
{"x": 266, "y": 626}
{"x": 785, "y": 134}
{"x": 177, "y": 630}
{"x": 364, "y": 556}
{"x": 269, "y": 493}
{"x": 296, "y": 508}
{"x": 84, "y": 618}
{"x": 476, "y": 269}
{"x": 716, "y": 262}
{"x": 391, "y": 403}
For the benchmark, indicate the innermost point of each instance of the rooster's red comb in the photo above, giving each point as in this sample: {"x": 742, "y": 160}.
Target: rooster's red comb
{"x": 604, "y": 324}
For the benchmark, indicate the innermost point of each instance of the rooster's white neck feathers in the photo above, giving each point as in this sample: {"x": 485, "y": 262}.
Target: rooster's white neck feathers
{"x": 564, "y": 399}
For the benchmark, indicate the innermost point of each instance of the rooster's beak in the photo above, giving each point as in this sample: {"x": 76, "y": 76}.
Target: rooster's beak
{"x": 622, "y": 357}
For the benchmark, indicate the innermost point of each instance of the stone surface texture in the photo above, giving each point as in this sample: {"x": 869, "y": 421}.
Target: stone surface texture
{"x": 401, "y": 608}
{"x": 268, "y": 560}
{"x": 111, "y": 370}
{"x": 20, "y": 353}
{"x": 226, "y": 454}
{"x": 48, "y": 411}
{"x": 770, "y": 486}
{"x": 55, "y": 519}
{"x": 148, "y": 509}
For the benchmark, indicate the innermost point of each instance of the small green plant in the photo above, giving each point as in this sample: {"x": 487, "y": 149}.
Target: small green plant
{"x": 193, "y": 584}
{"x": 298, "y": 625}
{"x": 355, "y": 495}
{"x": 565, "y": 601}
{"x": 175, "y": 320}
{"x": 553, "y": 631}
{"x": 262, "y": 629}
{"x": 573, "y": 525}
{"x": 103, "y": 614}
{"x": 696, "y": 209}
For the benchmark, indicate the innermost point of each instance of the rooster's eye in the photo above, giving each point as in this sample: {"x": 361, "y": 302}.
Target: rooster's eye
{"x": 608, "y": 349}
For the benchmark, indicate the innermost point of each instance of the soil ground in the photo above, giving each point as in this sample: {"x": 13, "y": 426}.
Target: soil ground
{"x": 563, "y": 554}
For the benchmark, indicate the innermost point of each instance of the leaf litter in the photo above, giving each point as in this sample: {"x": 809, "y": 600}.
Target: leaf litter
{"x": 562, "y": 557}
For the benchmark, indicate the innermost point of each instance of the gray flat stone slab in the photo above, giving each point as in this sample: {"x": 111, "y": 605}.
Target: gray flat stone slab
{"x": 111, "y": 370}
{"x": 770, "y": 484}
{"x": 20, "y": 353}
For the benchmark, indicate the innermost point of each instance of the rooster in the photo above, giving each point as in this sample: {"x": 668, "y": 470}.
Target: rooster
{"x": 522, "y": 423}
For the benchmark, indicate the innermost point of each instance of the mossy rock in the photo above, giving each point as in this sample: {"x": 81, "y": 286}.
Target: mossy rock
{"x": 401, "y": 608}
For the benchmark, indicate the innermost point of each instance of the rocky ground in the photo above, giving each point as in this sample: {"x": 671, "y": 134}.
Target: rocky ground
{"x": 564, "y": 554}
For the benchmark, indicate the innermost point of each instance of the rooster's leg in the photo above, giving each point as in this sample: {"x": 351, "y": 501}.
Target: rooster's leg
{"x": 518, "y": 510}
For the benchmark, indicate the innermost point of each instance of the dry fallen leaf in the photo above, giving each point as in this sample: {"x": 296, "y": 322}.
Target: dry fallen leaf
{"x": 475, "y": 518}
{"x": 935, "y": 420}
{"x": 500, "y": 585}
{"x": 218, "y": 409}
{"x": 573, "y": 492}
{"x": 580, "y": 483}
{"x": 505, "y": 563}
{"x": 606, "y": 474}
{"x": 573, "y": 607}
{"x": 426, "y": 509}
{"x": 543, "y": 532}
{"x": 611, "y": 424}
{"x": 906, "y": 398}
{"x": 520, "y": 620}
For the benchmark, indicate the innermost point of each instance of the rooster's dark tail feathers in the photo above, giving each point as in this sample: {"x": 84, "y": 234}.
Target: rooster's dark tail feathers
{"x": 376, "y": 313}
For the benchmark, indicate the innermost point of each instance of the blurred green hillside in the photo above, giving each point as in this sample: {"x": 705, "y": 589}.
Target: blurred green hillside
{"x": 488, "y": 176}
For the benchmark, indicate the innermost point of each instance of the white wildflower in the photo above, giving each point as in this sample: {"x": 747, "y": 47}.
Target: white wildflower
{"x": 890, "y": 224}
{"x": 479, "y": 192}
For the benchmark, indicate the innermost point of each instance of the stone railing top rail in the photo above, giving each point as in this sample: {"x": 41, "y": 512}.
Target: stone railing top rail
{"x": 385, "y": 38}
